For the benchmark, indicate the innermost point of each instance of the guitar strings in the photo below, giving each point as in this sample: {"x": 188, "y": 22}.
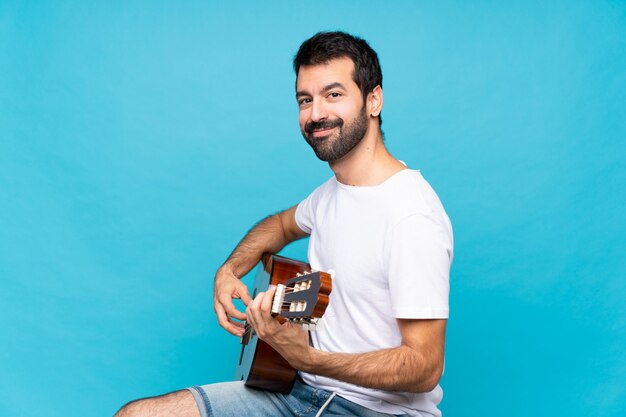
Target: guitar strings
{"x": 285, "y": 305}
{"x": 290, "y": 290}
{"x": 248, "y": 328}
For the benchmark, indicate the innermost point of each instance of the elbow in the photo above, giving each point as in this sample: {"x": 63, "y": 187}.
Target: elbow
{"x": 432, "y": 382}
{"x": 428, "y": 379}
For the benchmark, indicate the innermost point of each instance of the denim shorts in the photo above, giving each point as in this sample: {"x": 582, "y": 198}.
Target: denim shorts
{"x": 234, "y": 399}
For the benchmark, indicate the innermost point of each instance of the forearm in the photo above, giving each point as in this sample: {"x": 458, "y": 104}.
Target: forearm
{"x": 414, "y": 366}
{"x": 397, "y": 369}
{"x": 269, "y": 235}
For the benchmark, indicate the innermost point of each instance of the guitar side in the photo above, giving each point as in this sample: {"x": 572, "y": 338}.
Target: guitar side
{"x": 260, "y": 366}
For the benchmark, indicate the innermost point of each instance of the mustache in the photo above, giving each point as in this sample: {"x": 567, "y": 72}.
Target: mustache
{"x": 323, "y": 124}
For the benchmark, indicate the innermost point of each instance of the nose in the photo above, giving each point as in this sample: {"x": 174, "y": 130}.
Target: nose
{"x": 318, "y": 111}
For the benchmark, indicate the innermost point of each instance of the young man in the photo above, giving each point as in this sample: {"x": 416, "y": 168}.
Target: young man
{"x": 383, "y": 231}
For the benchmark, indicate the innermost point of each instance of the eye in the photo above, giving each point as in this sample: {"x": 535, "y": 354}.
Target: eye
{"x": 303, "y": 101}
{"x": 334, "y": 94}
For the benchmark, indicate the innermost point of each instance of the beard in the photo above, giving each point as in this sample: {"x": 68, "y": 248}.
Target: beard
{"x": 336, "y": 145}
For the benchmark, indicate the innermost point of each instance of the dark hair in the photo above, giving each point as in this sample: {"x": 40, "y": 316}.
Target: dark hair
{"x": 326, "y": 46}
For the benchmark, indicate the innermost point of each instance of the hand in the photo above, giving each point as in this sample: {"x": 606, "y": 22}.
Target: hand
{"x": 290, "y": 340}
{"x": 226, "y": 287}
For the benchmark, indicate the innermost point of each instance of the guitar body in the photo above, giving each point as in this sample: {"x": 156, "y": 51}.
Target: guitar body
{"x": 260, "y": 366}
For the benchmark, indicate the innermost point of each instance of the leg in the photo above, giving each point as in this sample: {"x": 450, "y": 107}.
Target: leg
{"x": 175, "y": 404}
{"x": 234, "y": 399}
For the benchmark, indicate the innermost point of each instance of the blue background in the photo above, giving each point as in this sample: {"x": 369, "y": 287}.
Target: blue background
{"x": 140, "y": 140}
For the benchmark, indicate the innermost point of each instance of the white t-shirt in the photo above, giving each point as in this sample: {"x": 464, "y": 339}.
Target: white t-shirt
{"x": 391, "y": 247}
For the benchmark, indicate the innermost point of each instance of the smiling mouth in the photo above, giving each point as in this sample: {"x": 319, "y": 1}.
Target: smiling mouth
{"x": 317, "y": 133}
{"x": 322, "y": 128}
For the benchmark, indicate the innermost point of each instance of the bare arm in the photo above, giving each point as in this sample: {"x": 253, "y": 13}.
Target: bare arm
{"x": 269, "y": 235}
{"x": 414, "y": 366}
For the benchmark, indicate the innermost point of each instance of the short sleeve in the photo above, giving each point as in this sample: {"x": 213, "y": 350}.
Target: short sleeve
{"x": 419, "y": 255}
{"x": 304, "y": 214}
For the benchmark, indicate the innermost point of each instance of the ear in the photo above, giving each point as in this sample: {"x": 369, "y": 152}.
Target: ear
{"x": 375, "y": 101}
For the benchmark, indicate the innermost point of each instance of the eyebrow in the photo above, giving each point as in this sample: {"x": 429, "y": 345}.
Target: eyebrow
{"x": 324, "y": 89}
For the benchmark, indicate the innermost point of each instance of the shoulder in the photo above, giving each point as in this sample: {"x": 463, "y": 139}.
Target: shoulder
{"x": 418, "y": 214}
{"x": 412, "y": 194}
{"x": 305, "y": 212}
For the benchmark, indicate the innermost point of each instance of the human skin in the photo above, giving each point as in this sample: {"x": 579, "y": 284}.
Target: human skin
{"x": 326, "y": 92}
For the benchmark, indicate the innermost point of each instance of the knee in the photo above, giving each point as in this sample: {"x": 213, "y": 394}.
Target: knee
{"x": 136, "y": 408}
{"x": 179, "y": 403}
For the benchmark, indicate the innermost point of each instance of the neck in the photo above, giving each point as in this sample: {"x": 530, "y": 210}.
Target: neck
{"x": 369, "y": 163}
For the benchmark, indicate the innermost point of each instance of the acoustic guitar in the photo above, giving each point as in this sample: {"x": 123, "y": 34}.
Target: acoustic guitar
{"x": 301, "y": 298}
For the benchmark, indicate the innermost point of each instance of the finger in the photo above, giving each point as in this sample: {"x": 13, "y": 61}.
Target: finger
{"x": 244, "y": 294}
{"x": 255, "y": 304}
{"x": 240, "y": 325}
{"x": 253, "y": 312}
{"x": 227, "y": 304}
{"x": 227, "y": 323}
{"x": 223, "y": 320}
{"x": 266, "y": 302}
{"x": 252, "y": 318}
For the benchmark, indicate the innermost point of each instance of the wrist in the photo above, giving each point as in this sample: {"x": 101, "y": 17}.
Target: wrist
{"x": 311, "y": 360}
{"x": 226, "y": 270}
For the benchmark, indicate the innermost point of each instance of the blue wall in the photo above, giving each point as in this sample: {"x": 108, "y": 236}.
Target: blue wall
{"x": 140, "y": 140}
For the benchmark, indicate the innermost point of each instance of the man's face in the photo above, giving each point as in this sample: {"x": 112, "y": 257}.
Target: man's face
{"x": 333, "y": 118}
